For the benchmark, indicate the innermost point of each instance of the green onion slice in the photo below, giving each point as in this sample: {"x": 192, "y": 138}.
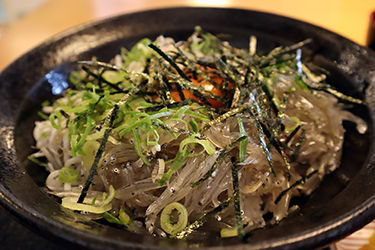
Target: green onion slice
{"x": 194, "y": 125}
{"x": 296, "y": 122}
{"x": 228, "y": 232}
{"x": 243, "y": 143}
{"x": 90, "y": 148}
{"x": 172, "y": 223}
{"x": 71, "y": 203}
{"x": 111, "y": 194}
{"x": 68, "y": 175}
{"x": 125, "y": 216}
{"x": 111, "y": 219}
{"x": 206, "y": 144}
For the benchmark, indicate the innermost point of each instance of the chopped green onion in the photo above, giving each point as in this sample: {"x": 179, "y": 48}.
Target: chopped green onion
{"x": 156, "y": 135}
{"x": 36, "y": 161}
{"x": 94, "y": 199}
{"x": 197, "y": 115}
{"x": 194, "y": 125}
{"x": 172, "y": 222}
{"x": 53, "y": 116}
{"x": 89, "y": 126}
{"x": 125, "y": 216}
{"x": 43, "y": 115}
{"x": 111, "y": 194}
{"x": 206, "y": 144}
{"x": 112, "y": 219}
{"x": 68, "y": 175}
{"x": 179, "y": 113}
{"x": 228, "y": 232}
{"x": 90, "y": 148}
{"x": 297, "y": 122}
{"x": 301, "y": 83}
{"x": 71, "y": 203}
{"x": 243, "y": 143}
{"x": 179, "y": 160}
{"x": 137, "y": 146}
{"x": 147, "y": 120}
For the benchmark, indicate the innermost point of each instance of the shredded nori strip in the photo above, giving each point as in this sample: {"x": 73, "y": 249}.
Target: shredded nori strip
{"x": 236, "y": 195}
{"x": 295, "y": 154}
{"x": 101, "y": 79}
{"x": 99, "y": 154}
{"x": 66, "y": 116}
{"x": 292, "y": 134}
{"x": 164, "y": 87}
{"x": 223, "y": 117}
{"x": 280, "y": 50}
{"x": 198, "y": 223}
{"x": 299, "y": 182}
{"x": 221, "y": 156}
{"x": 261, "y": 134}
{"x": 168, "y": 59}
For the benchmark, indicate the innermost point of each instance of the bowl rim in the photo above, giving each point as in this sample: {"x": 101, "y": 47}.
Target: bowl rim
{"x": 42, "y": 224}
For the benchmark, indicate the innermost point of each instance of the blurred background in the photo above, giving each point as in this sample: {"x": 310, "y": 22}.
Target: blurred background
{"x": 26, "y": 23}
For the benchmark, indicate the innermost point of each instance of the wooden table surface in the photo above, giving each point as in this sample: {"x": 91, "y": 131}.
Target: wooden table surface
{"x": 349, "y": 18}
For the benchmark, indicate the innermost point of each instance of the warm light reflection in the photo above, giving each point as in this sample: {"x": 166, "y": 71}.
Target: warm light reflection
{"x": 222, "y": 3}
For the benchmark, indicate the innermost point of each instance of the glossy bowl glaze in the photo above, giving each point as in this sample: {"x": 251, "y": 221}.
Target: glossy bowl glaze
{"x": 342, "y": 204}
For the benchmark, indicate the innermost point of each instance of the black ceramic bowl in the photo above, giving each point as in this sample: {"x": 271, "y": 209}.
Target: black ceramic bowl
{"x": 342, "y": 204}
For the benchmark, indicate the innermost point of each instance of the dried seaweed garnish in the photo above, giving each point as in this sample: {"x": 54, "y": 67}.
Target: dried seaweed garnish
{"x": 343, "y": 97}
{"x": 101, "y": 79}
{"x": 292, "y": 134}
{"x": 295, "y": 154}
{"x": 272, "y": 97}
{"x": 299, "y": 182}
{"x": 99, "y": 154}
{"x": 197, "y": 70}
{"x": 264, "y": 145}
{"x": 265, "y": 60}
{"x": 110, "y": 118}
{"x": 218, "y": 160}
{"x": 111, "y": 66}
{"x": 326, "y": 88}
{"x": 236, "y": 195}
{"x": 198, "y": 91}
{"x": 274, "y": 137}
{"x": 223, "y": 117}
{"x": 198, "y": 223}
{"x": 227, "y": 70}
{"x": 165, "y": 88}
{"x": 236, "y": 98}
{"x": 259, "y": 127}
{"x": 168, "y": 105}
{"x": 275, "y": 141}
{"x": 66, "y": 116}
{"x": 168, "y": 59}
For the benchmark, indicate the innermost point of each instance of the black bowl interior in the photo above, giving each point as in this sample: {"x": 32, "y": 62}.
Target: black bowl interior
{"x": 342, "y": 204}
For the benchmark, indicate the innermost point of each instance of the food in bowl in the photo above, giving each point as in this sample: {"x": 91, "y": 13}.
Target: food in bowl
{"x": 178, "y": 139}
